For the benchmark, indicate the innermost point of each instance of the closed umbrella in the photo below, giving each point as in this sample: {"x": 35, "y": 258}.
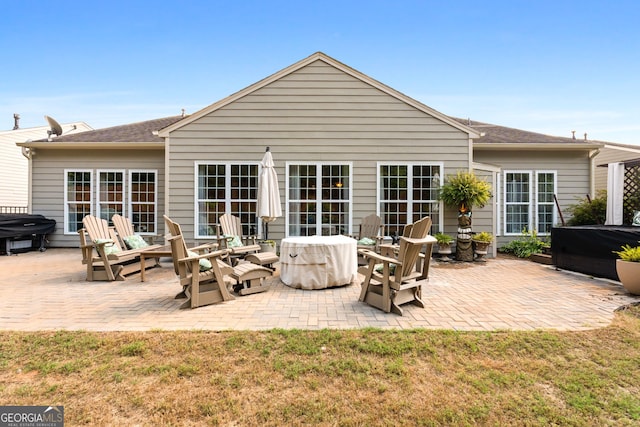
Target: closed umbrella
{"x": 268, "y": 193}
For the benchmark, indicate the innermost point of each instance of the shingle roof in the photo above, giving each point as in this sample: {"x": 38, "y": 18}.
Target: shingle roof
{"x": 495, "y": 134}
{"x": 134, "y": 132}
{"x": 144, "y": 132}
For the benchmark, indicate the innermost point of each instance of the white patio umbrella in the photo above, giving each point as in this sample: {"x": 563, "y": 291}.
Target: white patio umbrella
{"x": 268, "y": 193}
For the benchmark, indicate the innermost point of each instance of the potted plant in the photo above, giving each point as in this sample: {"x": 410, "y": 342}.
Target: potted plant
{"x": 444, "y": 243}
{"x": 481, "y": 242}
{"x": 463, "y": 191}
{"x": 267, "y": 245}
{"x": 628, "y": 268}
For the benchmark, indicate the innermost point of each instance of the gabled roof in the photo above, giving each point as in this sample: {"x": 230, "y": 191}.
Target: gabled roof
{"x": 319, "y": 56}
{"x": 500, "y": 137}
{"x": 136, "y": 135}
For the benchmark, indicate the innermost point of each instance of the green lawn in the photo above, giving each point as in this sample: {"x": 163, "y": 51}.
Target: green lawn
{"x": 364, "y": 377}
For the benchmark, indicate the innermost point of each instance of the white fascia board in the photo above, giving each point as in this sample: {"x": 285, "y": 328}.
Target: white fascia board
{"x": 534, "y": 146}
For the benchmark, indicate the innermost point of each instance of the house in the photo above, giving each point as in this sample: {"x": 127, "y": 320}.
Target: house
{"x": 14, "y": 166}
{"x": 612, "y": 153}
{"x": 344, "y": 146}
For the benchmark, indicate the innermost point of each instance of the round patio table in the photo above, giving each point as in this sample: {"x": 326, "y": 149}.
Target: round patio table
{"x": 318, "y": 262}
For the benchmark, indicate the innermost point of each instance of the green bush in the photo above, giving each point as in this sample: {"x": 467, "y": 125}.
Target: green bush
{"x": 464, "y": 190}
{"x": 528, "y": 243}
{"x": 585, "y": 213}
{"x": 629, "y": 253}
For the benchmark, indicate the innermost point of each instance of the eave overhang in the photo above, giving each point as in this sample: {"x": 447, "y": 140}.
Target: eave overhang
{"x": 93, "y": 145}
{"x": 537, "y": 147}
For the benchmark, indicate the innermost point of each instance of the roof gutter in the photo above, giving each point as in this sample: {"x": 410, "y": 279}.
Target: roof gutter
{"x": 92, "y": 145}
{"x": 536, "y": 146}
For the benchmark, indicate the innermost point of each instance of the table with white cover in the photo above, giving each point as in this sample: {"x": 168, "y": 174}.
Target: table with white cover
{"x": 318, "y": 262}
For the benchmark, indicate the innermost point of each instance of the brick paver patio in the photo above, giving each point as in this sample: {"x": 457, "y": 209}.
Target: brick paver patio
{"x": 48, "y": 291}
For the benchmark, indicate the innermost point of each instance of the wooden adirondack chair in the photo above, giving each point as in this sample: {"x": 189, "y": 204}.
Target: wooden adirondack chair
{"x": 128, "y": 238}
{"x": 230, "y": 236}
{"x": 371, "y": 228}
{"x": 392, "y": 281}
{"x": 200, "y": 287}
{"x": 109, "y": 261}
{"x": 175, "y": 230}
{"x": 248, "y": 277}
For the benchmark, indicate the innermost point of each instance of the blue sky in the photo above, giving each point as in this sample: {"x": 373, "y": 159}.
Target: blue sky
{"x": 544, "y": 66}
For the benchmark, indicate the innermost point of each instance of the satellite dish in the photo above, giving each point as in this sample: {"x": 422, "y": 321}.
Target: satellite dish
{"x": 56, "y": 129}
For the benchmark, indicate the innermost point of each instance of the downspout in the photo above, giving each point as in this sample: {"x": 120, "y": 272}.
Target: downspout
{"x": 28, "y": 153}
{"x": 167, "y": 173}
{"x": 592, "y": 171}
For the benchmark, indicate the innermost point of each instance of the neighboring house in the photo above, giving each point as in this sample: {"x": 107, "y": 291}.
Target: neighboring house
{"x": 612, "y": 153}
{"x": 14, "y": 166}
{"x": 344, "y": 146}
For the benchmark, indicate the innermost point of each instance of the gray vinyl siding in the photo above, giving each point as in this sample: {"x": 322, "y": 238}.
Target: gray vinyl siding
{"x": 482, "y": 217}
{"x": 611, "y": 154}
{"x": 48, "y": 181}
{"x": 315, "y": 114}
{"x": 572, "y": 172}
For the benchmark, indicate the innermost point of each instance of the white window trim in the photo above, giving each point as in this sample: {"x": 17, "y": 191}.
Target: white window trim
{"x": 124, "y": 190}
{"x": 410, "y": 193}
{"x": 227, "y": 184}
{"x": 533, "y": 199}
{"x": 67, "y": 232}
{"x": 500, "y": 227}
{"x": 129, "y": 204}
{"x": 537, "y": 201}
{"x": 530, "y": 203}
{"x": 318, "y": 165}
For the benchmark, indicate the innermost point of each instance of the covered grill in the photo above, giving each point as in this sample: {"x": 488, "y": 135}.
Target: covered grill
{"x": 22, "y": 232}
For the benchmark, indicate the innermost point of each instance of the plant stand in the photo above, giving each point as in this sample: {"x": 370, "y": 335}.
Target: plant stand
{"x": 267, "y": 247}
{"x": 481, "y": 250}
{"x": 444, "y": 248}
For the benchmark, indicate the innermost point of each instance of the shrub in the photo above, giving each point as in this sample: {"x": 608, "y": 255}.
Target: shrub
{"x": 585, "y": 213}
{"x": 528, "y": 243}
{"x": 443, "y": 238}
{"x": 629, "y": 253}
{"x": 465, "y": 190}
{"x": 483, "y": 236}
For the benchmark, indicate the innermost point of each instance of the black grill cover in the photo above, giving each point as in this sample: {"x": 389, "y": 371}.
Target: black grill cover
{"x": 19, "y": 225}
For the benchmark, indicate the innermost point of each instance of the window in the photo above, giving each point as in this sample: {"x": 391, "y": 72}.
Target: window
{"x": 77, "y": 198}
{"x": 142, "y": 201}
{"x": 517, "y": 202}
{"x": 226, "y": 188}
{"x": 546, "y": 204}
{"x": 110, "y": 197}
{"x": 523, "y": 198}
{"x": 110, "y": 194}
{"x": 319, "y": 199}
{"x": 407, "y": 193}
